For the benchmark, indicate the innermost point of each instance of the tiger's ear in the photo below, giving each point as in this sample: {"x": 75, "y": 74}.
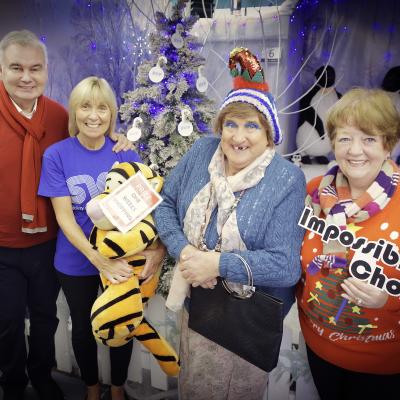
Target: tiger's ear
{"x": 116, "y": 162}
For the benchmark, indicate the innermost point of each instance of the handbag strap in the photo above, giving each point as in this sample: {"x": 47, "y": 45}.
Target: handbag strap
{"x": 249, "y": 289}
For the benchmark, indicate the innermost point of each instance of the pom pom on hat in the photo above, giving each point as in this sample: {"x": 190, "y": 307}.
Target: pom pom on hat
{"x": 249, "y": 86}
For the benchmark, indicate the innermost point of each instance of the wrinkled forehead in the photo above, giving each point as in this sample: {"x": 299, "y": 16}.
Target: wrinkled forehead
{"x": 24, "y": 54}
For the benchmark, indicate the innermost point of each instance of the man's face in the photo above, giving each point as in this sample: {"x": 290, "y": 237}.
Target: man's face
{"x": 24, "y": 74}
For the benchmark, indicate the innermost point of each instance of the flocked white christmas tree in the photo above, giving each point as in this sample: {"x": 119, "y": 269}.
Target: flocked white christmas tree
{"x": 169, "y": 109}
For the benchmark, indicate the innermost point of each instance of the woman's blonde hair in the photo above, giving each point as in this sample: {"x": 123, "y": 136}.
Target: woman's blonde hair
{"x": 370, "y": 110}
{"x": 91, "y": 88}
{"x": 242, "y": 110}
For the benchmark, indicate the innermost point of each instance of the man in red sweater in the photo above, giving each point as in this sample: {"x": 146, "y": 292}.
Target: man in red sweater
{"x": 29, "y": 123}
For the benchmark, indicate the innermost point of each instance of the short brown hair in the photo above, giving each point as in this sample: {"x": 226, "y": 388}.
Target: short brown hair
{"x": 370, "y": 110}
{"x": 242, "y": 110}
{"x": 86, "y": 89}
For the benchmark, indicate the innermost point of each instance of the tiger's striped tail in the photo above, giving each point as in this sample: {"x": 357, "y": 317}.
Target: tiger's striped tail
{"x": 159, "y": 347}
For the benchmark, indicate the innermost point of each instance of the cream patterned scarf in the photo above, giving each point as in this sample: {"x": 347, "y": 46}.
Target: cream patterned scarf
{"x": 219, "y": 192}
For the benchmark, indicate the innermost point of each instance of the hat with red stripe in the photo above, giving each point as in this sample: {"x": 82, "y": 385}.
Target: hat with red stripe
{"x": 249, "y": 86}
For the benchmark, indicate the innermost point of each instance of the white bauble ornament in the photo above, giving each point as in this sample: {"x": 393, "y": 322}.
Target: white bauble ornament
{"x": 185, "y": 128}
{"x": 202, "y": 82}
{"x": 176, "y": 38}
{"x": 157, "y": 74}
{"x": 135, "y": 132}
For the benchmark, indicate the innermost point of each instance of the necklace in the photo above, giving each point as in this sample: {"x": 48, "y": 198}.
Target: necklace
{"x": 202, "y": 243}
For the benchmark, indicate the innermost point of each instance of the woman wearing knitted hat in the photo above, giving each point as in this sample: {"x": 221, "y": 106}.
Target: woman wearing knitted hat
{"x": 352, "y": 326}
{"x": 232, "y": 193}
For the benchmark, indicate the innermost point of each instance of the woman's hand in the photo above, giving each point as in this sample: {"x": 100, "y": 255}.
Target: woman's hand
{"x": 363, "y": 294}
{"x": 122, "y": 143}
{"x": 199, "y": 267}
{"x": 154, "y": 259}
{"x": 116, "y": 271}
{"x": 210, "y": 284}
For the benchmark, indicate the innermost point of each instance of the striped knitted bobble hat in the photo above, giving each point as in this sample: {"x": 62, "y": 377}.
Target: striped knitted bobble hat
{"x": 249, "y": 86}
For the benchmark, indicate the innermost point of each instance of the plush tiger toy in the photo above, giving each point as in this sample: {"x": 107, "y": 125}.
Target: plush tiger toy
{"x": 117, "y": 314}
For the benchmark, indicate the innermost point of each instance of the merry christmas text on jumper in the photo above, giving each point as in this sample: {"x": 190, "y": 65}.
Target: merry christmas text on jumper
{"x": 361, "y": 267}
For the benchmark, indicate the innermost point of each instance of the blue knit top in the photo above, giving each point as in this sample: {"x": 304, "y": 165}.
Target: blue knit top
{"x": 267, "y": 218}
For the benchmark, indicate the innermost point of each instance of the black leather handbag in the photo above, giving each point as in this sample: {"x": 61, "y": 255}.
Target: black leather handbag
{"x": 249, "y": 324}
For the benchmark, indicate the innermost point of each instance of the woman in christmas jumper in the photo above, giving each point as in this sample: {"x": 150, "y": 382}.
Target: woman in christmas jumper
{"x": 235, "y": 194}
{"x": 350, "y": 310}
{"x": 73, "y": 172}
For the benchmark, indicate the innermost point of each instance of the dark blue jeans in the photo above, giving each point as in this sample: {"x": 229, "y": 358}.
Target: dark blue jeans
{"x": 28, "y": 282}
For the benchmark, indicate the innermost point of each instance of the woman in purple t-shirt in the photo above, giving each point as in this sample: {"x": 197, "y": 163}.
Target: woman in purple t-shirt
{"x": 73, "y": 172}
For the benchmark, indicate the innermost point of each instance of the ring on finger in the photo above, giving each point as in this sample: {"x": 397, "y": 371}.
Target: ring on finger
{"x": 359, "y": 301}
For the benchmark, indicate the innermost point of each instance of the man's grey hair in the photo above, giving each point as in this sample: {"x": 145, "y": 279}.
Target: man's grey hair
{"x": 24, "y": 38}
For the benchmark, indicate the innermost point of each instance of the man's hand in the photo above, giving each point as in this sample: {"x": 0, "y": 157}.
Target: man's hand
{"x": 154, "y": 259}
{"x": 122, "y": 143}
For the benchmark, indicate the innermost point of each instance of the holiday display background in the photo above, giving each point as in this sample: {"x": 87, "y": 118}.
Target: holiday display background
{"x": 111, "y": 38}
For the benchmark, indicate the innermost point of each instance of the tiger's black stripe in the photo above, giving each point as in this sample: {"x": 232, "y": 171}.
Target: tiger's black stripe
{"x": 152, "y": 226}
{"x": 114, "y": 301}
{"x": 164, "y": 358}
{"x": 93, "y": 238}
{"x": 113, "y": 246}
{"x": 111, "y": 324}
{"x": 147, "y": 336}
{"x": 137, "y": 262}
{"x": 121, "y": 172}
{"x": 145, "y": 239}
{"x": 135, "y": 167}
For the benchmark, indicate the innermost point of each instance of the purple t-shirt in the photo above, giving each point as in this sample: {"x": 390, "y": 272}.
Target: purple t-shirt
{"x": 69, "y": 169}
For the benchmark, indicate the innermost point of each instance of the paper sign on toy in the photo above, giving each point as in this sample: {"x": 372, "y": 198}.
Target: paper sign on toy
{"x": 128, "y": 204}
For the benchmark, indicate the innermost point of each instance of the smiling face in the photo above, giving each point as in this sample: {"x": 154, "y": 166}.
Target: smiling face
{"x": 360, "y": 157}
{"x": 242, "y": 141}
{"x": 93, "y": 120}
{"x": 23, "y": 71}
